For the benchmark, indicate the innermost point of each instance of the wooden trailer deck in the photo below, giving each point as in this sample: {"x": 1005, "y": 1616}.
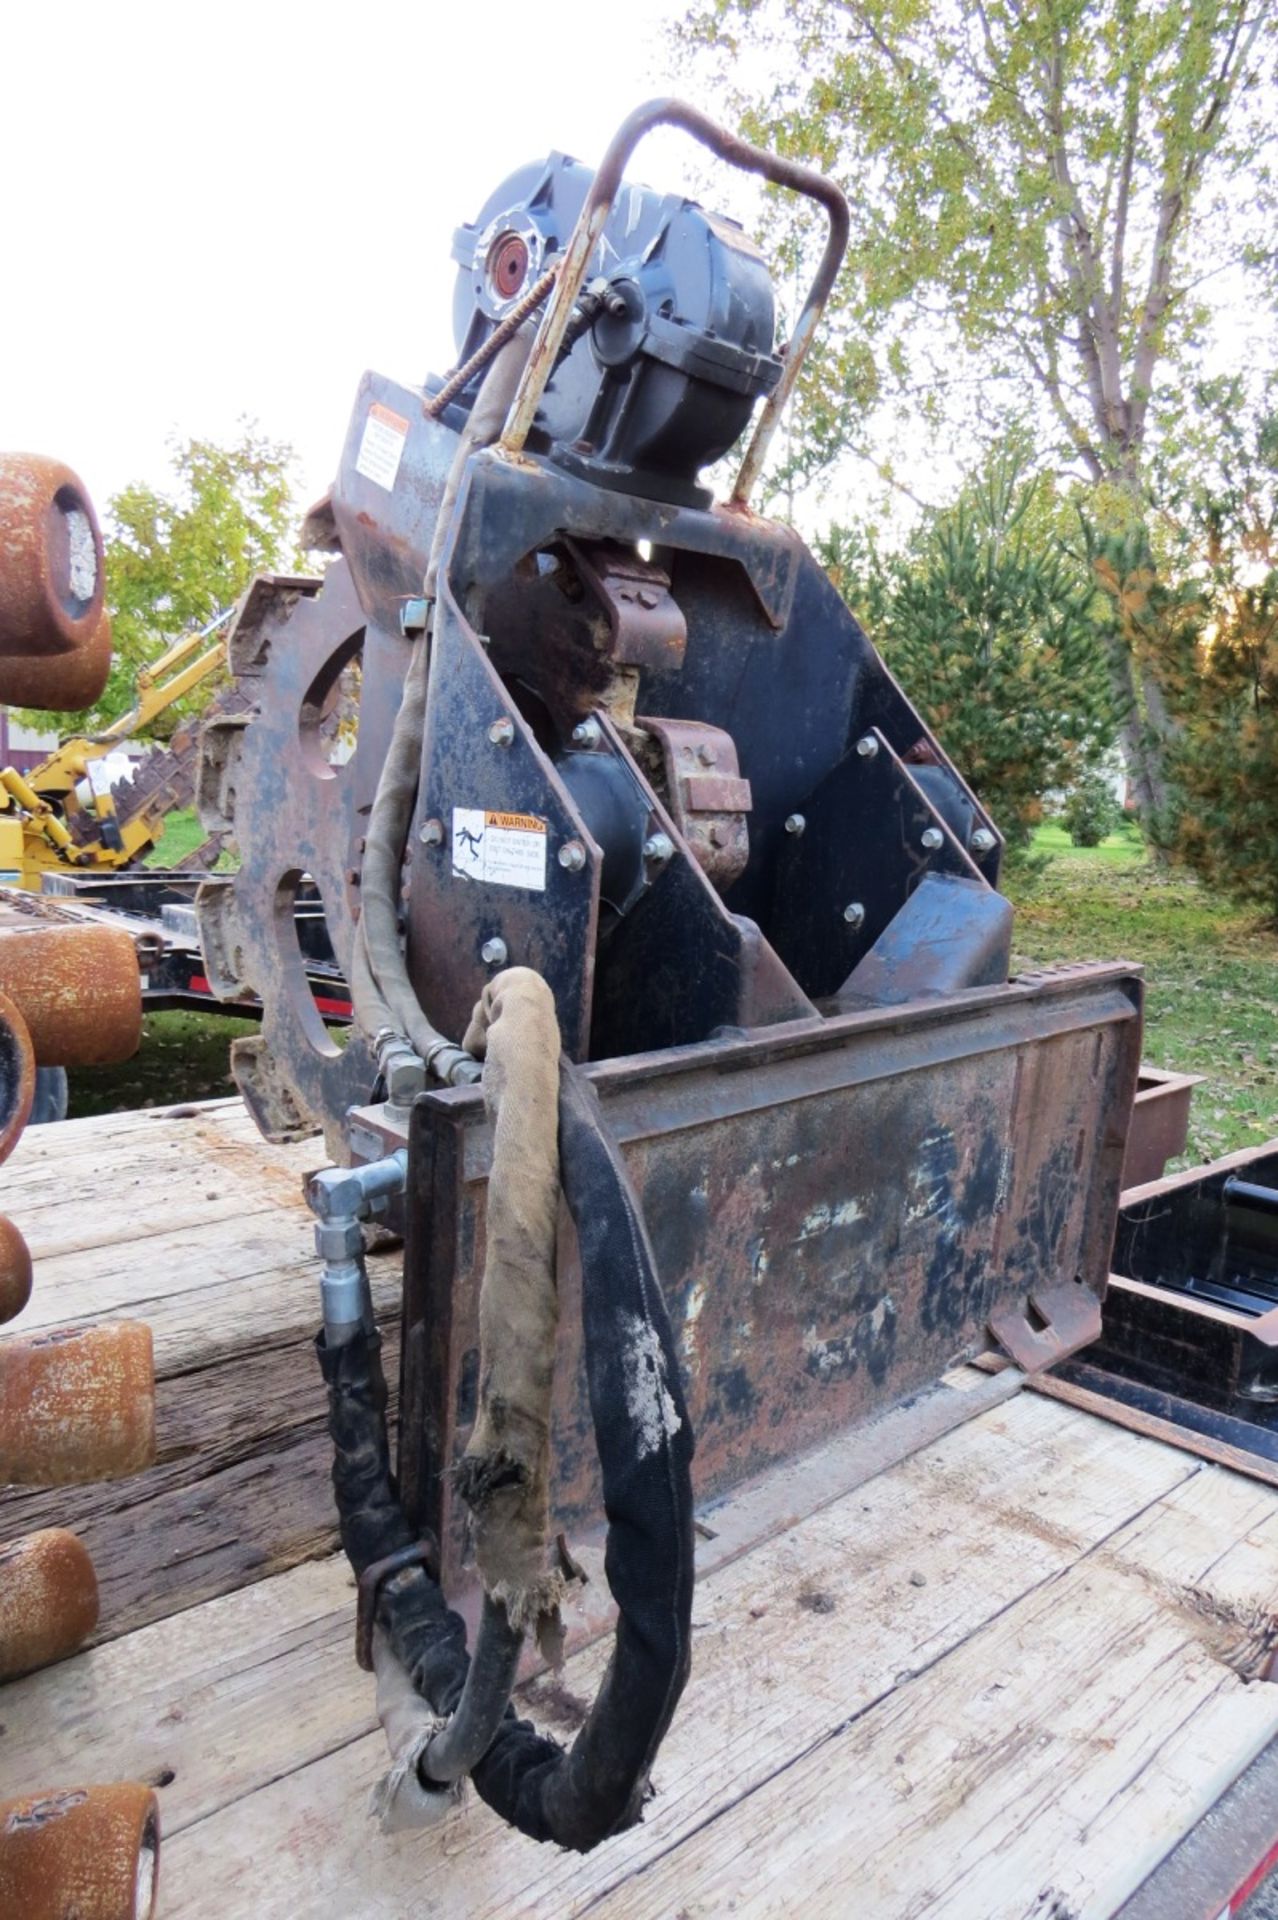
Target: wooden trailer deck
{"x": 1003, "y": 1675}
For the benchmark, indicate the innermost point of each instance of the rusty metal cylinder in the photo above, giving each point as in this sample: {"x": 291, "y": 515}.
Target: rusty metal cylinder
{"x": 17, "y": 1075}
{"x": 91, "y": 1852}
{"x": 15, "y": 1270}
{"x": 76, "y": 1404}
{"x": 55, "y": 636}
{"x": 78, "y": 990}
{"x": 48, "y": 1600}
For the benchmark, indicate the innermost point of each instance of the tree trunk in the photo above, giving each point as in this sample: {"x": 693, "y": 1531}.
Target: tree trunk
{"x": 1142, "y": 730}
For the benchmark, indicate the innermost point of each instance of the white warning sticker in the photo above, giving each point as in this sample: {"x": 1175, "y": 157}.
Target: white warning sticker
{"x": 382, "y": 446}
{"x": 506, "y": 849}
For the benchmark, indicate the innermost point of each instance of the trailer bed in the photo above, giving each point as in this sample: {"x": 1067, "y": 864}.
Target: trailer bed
{"x": 1007, "y": 1665}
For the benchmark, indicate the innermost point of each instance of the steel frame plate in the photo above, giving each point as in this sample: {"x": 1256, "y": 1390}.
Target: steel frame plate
{"x": 837, "y": 1212}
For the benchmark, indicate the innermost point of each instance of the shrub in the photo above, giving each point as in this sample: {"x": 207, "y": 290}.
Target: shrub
{"x": 1090, "y": 812}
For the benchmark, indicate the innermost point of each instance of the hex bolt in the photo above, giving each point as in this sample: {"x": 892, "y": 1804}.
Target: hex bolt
{"x": 431, "y": 833}
{"x": 867, "y": 746}
{"x": 572, "y": 855}
{"x": 493, "y": 953}
{"x": 983, "y": 840}
{"x": 587, "y": 733}
{"x": 932, "y": 838}
{"x": 502, "y": 732}
{"x": 854, "y": 914}
{"x": 795, "y": 823}
{"x": 658, "y": 847}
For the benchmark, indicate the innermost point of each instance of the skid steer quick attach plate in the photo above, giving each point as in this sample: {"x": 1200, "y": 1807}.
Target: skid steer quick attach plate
{"x": 838, "y": 1212}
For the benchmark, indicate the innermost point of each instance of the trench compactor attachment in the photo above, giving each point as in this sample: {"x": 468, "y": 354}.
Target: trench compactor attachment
{"x": 637, "y": 815}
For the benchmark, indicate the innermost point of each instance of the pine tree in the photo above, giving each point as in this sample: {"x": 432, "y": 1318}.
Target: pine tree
{"x": 986, "y": 621}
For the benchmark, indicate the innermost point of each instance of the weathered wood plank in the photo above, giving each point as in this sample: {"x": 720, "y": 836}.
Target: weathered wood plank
{"x": 122, "y": 1191}
{"x": 990, "y": 1513}
{"x": 1016, "y": 1778}
{"x": 249, "y": 1496}
{"x": 195, "y": 1225}
{"x": 227, "y": 1311}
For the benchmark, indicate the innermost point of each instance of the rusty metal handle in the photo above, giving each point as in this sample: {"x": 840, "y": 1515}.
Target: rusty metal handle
{"x": 591, "y": 222}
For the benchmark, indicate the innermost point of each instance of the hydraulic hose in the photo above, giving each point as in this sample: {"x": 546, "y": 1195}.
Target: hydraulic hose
{"x": 577, "y": 1797}
{"x": 382, "y": 993}
{"x": 490, "y": 1681}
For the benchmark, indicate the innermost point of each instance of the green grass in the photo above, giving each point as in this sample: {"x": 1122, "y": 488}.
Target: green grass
{"x": 1211, "y": 973}
{"x": 183, "y": 1056}
{"x": 182, "y": 835}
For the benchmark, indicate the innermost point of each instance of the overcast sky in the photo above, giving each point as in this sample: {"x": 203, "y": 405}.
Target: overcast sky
{"x": 213, "y": 210}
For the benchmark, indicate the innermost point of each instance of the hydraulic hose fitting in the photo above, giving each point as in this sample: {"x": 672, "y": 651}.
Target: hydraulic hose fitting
{"x": 401, "y": 1067}
{"x": 341, "y": 1198}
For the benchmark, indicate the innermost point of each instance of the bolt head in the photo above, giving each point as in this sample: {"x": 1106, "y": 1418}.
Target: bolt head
{"x": 983, "y": 840}
{"x": 867, "y": 746}
{"x": 431, "y": 833}
{"x": 854, "y": 914}
{"x": 658, "y": 847}
{"x": 932, "y": 838}
{"x": 502, "y": 732}
{"x": 493, "y": 952}
{"x": 414, "y": 616}
{"x": 587, "y": 733}
{"x": 795, "y": 823}
{"x": 572, "y": 855}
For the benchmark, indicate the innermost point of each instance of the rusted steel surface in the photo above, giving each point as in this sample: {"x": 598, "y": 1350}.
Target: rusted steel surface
{"x": 17, "y": 1075}
{"x": 707, "y": 797}
{"x": 48, "y": 1600}
{"x": 78, "y": 989}
{"x": 15, "y": 1270}
{"x": 837, "y": 1216}
{"x": 295, "y": 811}
{"x": 77, "y": 1404}
{"x": 55, "y": 637}
{"x": 1160, "y": 1123}
{"x": 646, "y": 627}
{"x": 91, "y": 1852}
{"x": 1057, "y": 1319}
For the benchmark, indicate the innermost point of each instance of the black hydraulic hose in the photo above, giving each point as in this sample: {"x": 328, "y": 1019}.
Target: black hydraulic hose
{"x": 490, "y": 1681}
{"x": 580, "y": 1796}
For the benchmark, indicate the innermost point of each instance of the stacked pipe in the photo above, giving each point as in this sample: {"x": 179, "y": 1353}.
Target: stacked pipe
{"x": 76, "y": 1403}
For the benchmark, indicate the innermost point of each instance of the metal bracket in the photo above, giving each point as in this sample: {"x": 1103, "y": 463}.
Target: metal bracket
{"x": 422, "y": 1553}
{"x": 647, "y": 626}
{"x": 1058, "y": 1320}
{"x": 707, "y": 797}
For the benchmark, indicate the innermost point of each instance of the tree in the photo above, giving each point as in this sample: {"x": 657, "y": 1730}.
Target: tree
{"x": 175, "y": 560}
{"x": 1203, "y": 615}
{"x": 1045, "y": 183}
{"x": 1090, "y": 812}
{"x": 986, "y": 620}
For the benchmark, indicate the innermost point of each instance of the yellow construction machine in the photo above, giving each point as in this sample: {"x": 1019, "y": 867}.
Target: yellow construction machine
{"x": 64, "y": 814}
